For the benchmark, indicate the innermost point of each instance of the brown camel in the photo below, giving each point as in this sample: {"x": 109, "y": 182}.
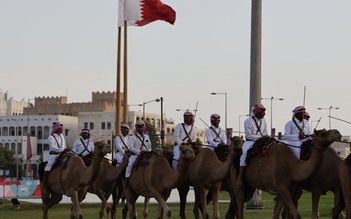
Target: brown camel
{"x": 345, "y": 180}
{"x": 326, "y": 179}
{"x": 278, "y": 171}
{"x": 204, "y": 171}
{"x": 157, "y": 179}
{"x": 109, "y": 176}
{"x": 72, "y": 178}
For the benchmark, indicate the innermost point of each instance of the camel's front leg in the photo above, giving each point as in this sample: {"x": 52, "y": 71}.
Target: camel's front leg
{"x": 183, "y": 192}
{"x": 285, "y": 195}
{"x": 315, "y": 202}
{"x": 146, "y": 208}
{"x": 104, "y": 204}
{"x": 200, "y": 195}
{"x": 75, "y": 213}
{"x": 215, "y": 193}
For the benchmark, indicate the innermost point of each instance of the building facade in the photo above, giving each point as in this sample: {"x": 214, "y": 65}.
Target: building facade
{"x": 14, "y": 130}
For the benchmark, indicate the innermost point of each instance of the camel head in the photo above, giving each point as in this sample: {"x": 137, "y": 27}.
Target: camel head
{"x": 101, "y": 148}
{"x": 187, "y": 152}
{"x": 326, "y": 137}
{"x": 237, "y": 143}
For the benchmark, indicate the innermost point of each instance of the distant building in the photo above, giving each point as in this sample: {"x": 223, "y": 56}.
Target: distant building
{"x": 101, "y": 102}
{"x": 9, "y": 106}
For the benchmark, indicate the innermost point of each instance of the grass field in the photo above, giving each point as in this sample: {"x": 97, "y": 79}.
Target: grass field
{"x": 90, "y": 211}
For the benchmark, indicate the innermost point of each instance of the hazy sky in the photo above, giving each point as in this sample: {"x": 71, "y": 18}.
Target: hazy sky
{"x": 68, "y": 47}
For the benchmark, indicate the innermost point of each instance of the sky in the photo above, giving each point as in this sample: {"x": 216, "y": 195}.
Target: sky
{"x": 69, "y": 48}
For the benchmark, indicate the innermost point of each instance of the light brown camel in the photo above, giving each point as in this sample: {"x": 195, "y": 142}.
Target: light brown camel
{"x": 157, "y": 179}
{"x": 109, "y": 176}
{"x": 203, "y": 172}
{"x": 326, "y": 179}
{"x": 280, "y": 169}
{"x": 345, "y": 180}
{"x": 72, "y": 179}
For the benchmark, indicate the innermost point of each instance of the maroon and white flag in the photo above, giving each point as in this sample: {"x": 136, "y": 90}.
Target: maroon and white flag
{"x": 29, "y": 148}
{"x": 142, "y": 12}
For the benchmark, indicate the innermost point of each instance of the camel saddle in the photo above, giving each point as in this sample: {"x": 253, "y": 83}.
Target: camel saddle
{"x": 261, "y": 147}
{"x": 306, "y": 150}
{"x": 142, "y": 159}
{"x": 222, "y": 152}
{"x": 62, "y": 159}
{"x": 88, "y": 160}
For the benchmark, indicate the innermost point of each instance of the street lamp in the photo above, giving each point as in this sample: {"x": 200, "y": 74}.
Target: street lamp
{"x": 272, "y": 98}
{"x": 225, "y": 95}
{"x": 155, "y": 100}
{"x": 129, "y": 105}
{"x": 329, "y": 108}
{"x": 240, "y": 122}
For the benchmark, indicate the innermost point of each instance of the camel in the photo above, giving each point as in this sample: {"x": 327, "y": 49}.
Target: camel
{"x": 326, "y": 179}
{"x": 156, "y": 179}
{"x": 72, "y": 178}
{"x": 204, "y": 171}
{"x": 109, "y": 176}
{"x": 278, "y": 171}
{"x": 344, "y": 170}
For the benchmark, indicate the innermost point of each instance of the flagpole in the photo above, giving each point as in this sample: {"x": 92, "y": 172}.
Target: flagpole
{"x": 118, "y": 84}
{"x": 125, "y": 77}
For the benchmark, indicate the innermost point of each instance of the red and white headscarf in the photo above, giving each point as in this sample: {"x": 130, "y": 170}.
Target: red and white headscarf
{"x": 298, "y": 109}
{"x": 55, "y": 127}
{"x": 258, "y": 108}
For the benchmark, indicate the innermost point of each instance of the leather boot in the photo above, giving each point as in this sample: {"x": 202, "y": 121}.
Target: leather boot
{"x": 240, "y": 181}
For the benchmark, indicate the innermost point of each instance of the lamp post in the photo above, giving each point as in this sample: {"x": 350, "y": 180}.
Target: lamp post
{"x": 272, "y": 98}
{"x": 144, "y": 103}
{"x": 240, "y": 122}
{"x": 329, "y": 108}
{"x": 129, "y": 105}
{"x": 162, "y": 126}
{"x": 225, "y": 95}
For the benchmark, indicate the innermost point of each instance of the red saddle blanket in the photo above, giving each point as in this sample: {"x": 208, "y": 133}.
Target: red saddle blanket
{"x": 261, "y": 146}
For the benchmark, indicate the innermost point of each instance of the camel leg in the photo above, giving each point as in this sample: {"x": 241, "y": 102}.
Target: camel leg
{"x": 146, "y": 207}
{"x": 183, "y": 192}
{"x": 200, "y": 194}
{"x": 315, "y": 201}
{"x": 116, "y": 196}
{"x": 215, "y": 193}
{"x": 104, "y": 204}
{"x": 285, "y": 195}
{"x": 75, "y": 213}
{"x": 278, "y": 208}
{"x": 339, "y": 203}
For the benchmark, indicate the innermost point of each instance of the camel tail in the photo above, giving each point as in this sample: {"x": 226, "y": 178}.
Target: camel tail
{"x": 41, "y": 169}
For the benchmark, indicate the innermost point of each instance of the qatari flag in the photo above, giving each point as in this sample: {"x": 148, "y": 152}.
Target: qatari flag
{"x": 142, "y": 12}
{"x": 29, "y": 148}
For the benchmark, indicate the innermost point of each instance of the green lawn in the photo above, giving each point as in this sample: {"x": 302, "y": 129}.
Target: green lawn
{"x": 90, "y": 211}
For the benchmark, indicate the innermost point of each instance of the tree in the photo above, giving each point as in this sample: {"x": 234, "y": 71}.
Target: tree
{"x": 154, "y": 137}
{"x": 7, "y": 161}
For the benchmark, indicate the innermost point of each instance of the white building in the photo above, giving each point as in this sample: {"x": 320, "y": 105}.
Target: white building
{"x": 9, "y": 106}
{"x": 14, "y": 130}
